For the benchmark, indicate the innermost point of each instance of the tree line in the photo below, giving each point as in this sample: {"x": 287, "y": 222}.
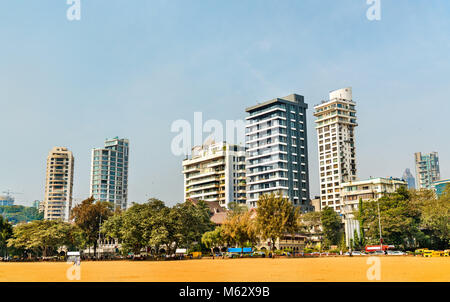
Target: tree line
{"x": 409, "y": 219}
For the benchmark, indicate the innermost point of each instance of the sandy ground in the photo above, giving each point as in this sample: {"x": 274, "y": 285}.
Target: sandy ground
{"x": 323, "y": 269}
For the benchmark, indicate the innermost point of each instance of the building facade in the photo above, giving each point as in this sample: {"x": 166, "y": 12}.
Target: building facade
{"x": 109, "y": 172}
{"x": 335, "y": 125}
{"x": 440, "y": 185}
{"x": 59, "y": 184}
{"x": 215, "y": 172}
{"x": 277, "y": 150}
{"x": 427, "y": 169}
{"x": 409, "y": 178}
{"x": 6, "y": 200}
{"x": 367, "y": 190}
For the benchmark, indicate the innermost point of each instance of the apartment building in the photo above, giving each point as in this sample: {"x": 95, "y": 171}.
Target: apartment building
{"x": 367, "y": 190}
{"x": 427, "y": 169}
{"x": 215, "y": 172}
{"x": 59, "y": 184}
{"x": 109, "y": 172}
{"x": 440, "y": 186}
{"x": 335, "y": 125}
{"x": 277, "y": 150}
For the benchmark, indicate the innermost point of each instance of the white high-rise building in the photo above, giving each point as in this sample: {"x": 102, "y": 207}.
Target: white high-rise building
{"x": 335, "y": 124}
{"x": 109, "y": 172}
{"x": 59, "y": 184}
{"x": 215, "y": 172}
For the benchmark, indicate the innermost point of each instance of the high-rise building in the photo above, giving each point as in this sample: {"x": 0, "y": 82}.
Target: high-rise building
{"x": 409, "y": 178}
{"x": 109, "y": 172}
{"x": 427, "y": 169}
{"x": 215, "y": 172}
{"x": 335, "y": 124}
{"x": 59, "y": 184}
{"x": 277, "y": 151}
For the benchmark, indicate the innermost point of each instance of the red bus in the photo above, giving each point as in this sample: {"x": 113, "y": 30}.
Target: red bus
{"x": 373, "y": 248}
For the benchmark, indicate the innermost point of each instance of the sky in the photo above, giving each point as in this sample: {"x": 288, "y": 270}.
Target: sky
{"x": 132, "y": 68}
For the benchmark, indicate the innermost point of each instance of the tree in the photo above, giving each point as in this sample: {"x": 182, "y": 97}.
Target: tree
{"x": 191, "y": 221}
{"x": 88, "y": 216}
{"x": 6, "y": 231}
{"x": 400, "y": 216}
{"x": 45, "y": 236}
{"x": 332, "y": 226}
{"x": 240, "y": 229}
{"x": 17, "y": 214}
{"x": 213, "y": 239}
{"x": 141, "y": 226}
{"x": 435, "y": 219}
{"x": 276, "y": 216}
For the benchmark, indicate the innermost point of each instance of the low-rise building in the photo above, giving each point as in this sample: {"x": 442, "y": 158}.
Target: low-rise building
{"x": 315, "y": 203}
{"x": 367, "y": 190}
{"x": 440, "y": 185}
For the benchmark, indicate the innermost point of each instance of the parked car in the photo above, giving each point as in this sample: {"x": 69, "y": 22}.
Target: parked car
{"x": 396, "y": 253}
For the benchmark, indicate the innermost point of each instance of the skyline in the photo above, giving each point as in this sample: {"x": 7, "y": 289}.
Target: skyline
{"x": 98, "y": 69}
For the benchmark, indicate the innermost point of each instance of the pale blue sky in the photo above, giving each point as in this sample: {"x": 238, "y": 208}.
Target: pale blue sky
{"x": 130, "y": 68}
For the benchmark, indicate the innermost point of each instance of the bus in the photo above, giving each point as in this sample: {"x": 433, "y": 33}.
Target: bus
{"x": 375, "y": 248}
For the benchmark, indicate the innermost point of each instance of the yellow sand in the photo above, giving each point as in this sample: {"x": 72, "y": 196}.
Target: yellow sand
{"x": 394, "y": 268}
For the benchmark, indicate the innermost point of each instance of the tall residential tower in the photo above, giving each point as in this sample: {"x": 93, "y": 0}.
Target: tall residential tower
{"x": 335, "y": 124}
{"x": 109, "y": 172}
{"x": 59, "y": 184}
{"x": 277, "y": 150}
{"x": 215, "y": 172}
{"x": 427, "y": 170}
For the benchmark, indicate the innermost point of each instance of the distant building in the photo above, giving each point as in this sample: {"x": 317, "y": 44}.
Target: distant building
{"x": 427, "y": 169}
{"x": 439, "y": 186}
{"x": 367, "y": 190}
{"x": 316, "y": 204}
{"x": 335, "y": 125}
{"x": 59, "y": 184}
{"x": 277, "y": 151}
{"x": 36, "y": 204}
{"x": 215, "y": 172}
{"x": 409, "y": 178}
{"x": 6, "y": 200}
{"x": 109, "y": 172}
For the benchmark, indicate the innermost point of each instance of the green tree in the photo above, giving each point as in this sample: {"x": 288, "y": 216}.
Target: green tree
{"x": 435, "y": 220}
{"x": 212, "y": 239}
{"x": 88, "y": 216}
{"x": 18, "y": 214}
{"x": 191, "y": 221}
{"x": 400, "y": 216}
{"x": 332, "y": 226}
{"x": 44, "y": 237}
{"x": 6, "y": 231}
{"x": 276, "y": 216}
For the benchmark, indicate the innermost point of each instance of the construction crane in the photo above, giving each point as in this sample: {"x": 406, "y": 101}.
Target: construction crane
{"x": 8, "y": 193}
